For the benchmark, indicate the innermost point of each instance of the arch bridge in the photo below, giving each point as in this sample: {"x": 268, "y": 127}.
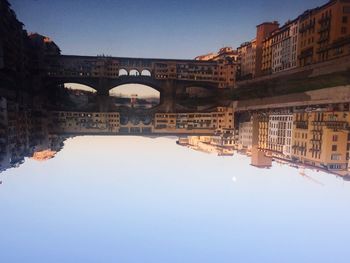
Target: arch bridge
{"x": 168, "y": 76}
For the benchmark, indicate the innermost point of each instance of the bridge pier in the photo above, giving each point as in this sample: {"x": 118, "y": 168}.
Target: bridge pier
{"x": 103, "y": 103}
{"x": 168, "y": 95}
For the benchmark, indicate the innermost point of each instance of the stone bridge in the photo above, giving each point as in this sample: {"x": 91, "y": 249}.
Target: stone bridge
{"x": 169, "y": 76}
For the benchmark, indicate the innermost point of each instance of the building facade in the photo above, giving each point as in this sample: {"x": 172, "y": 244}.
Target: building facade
{"x": 280, "y": 134}
{"x": 206, "y": 122}
{"x": 321, "y": 139}
{"x": 324, "y": 33}
{"x": 318, "y": 35}
{"x": 245, "y": 135}
{"x": 247, "y": 58}
{"x": 284, "y": 47}
{"x": 85, "y": 122}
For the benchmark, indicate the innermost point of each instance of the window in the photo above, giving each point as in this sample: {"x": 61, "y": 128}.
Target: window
{"x": 335, "y": 157}
{"x": 334, "y": 148}
{"x": 335, "y": 166}
{"x": 343, "y": 30}
{"x": 345, "y": 19}
{"x": 335, "y": 138}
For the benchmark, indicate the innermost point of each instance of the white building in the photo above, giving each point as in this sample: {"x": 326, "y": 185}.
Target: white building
{"x": 245, "y": 137}
{"x": 284, "y": 47}
{"x": 280, "y": 133}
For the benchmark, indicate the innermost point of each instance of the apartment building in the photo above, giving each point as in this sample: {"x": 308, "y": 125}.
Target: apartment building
{"x": 317, "y": 35}
{"x": 245, "y": 135}
{"x": 247, "y": 57}
{"x": 324, "y": 32}
{"x": 280, "y": 134}
{"x": 284, "y": 47}
{"x": 205, "y": 122}
{"x": 266, "y": 59}
{"x": 262, "y": 32}
{"x": 263, "y": 133}
{"x": 322, "y": 139}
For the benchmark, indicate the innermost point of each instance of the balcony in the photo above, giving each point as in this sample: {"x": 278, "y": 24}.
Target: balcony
{"x": 315, "y": 141}
{"x": 341, "y": 42}
{"x": 297, "y": 147}
{"x": 337, "y": 125}
{"x": 325, "y": 19}
{"x": 306, "y": 53}
{"x": 301, "y": 125}
{"x": 314, "y": 150}
{"x": 320, "y": 123}
{"x": 323, "y": 39}
{"x": 306, "y": 27}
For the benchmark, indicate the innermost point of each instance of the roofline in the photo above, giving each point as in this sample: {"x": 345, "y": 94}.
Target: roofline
{"x": 269, "y": 23}
{"x": 318, "y": 8}
{"x": 136, "y": 58}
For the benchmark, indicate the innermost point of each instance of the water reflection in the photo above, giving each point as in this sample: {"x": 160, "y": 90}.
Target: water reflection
{"x": 303, "y": 139}
{"x": 183, "y": 183}
{"x": 92, "y": 197}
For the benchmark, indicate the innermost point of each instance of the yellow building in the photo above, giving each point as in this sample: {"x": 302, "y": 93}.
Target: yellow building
{"x": 266, "y": 63}
{"x": 205, "y": 122}
{"x": 263, "y": 132}
{"x": 322, "y": 139}
{"x": 85, "y": 122}
{"x": 208, "y": 144}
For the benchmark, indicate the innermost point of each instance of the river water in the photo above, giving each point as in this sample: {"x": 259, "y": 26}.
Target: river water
{"x": 140, "y": 199}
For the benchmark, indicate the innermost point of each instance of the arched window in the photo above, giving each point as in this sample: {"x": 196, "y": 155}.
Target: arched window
{"x": 134, "y": 72}
{"x": 123, "y": 72}
{"x": 146, "y": 72}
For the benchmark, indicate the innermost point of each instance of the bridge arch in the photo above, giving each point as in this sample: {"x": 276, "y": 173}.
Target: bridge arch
{"x": 80, "y": 86}
{"x": 141, "y": 80}
{"x": 135, "y": 96}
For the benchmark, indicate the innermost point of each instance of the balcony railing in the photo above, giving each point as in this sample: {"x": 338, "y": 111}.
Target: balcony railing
{"x": 337, "y": 125}
{"x": 302, "y": 126}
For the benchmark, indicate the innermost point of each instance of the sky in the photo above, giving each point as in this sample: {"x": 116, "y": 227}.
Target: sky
{"x": 157, "y": 28}
{"x": 136, "y": 199}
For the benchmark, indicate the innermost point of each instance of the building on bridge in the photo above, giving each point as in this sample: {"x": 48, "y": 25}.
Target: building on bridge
{"x": 81, "y": 69}
{"x": 85, "y": 122}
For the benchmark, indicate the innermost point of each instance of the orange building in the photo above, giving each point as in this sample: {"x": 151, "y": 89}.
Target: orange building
{"x": 324, "y": 32}
{"x": 262, "y": 31}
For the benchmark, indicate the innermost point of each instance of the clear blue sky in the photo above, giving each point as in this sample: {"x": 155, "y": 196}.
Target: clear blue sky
{"x": 157, "y": 28}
